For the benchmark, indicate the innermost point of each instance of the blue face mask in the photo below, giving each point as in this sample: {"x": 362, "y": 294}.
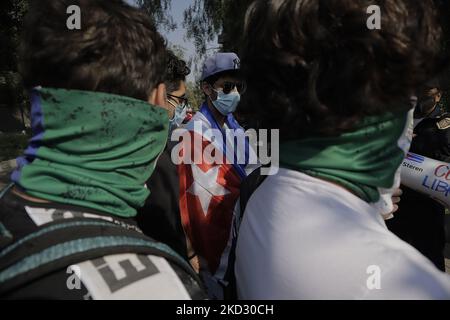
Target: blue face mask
{"x": 226, "y": 103}
{"x": 179, "y": 116}
{"x": 424, "y": 105}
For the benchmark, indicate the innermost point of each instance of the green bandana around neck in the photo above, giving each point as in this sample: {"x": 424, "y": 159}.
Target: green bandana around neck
{"x": 363, "y": 161}
{"x": 91, "y": 149}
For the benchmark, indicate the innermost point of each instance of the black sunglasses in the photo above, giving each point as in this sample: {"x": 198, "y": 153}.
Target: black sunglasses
{"x": 183, "y": 98}
{"x": 229, "y": 86}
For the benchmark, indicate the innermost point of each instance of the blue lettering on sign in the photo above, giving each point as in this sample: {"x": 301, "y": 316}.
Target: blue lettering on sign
{"x": 437, "y": 185}
{"x": 424, "y": 182}
{"x": 434, "y": 183}
{"x": 442, "y": 186}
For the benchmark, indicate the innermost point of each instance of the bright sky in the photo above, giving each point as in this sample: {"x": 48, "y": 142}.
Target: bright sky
{"x": 178, "y": 37}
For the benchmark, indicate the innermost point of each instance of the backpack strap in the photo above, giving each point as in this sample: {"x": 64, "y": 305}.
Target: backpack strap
{"x": 6, "y": 189}
{"x": 5, "y": 236}
{"x": 248, "y": 187}
{"x": 62, "y": 243}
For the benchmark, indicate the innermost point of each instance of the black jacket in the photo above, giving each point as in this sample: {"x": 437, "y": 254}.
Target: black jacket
{"x": 160, "y": 217}
{"x": 420, "y": 220}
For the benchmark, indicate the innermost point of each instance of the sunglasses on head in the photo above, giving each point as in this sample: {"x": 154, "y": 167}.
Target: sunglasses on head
{"x": 229, "y": 86}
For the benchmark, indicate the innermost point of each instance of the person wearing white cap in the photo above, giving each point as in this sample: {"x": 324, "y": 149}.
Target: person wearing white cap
{"x": 221, "y": 85}
{"x": 209, "y": 190}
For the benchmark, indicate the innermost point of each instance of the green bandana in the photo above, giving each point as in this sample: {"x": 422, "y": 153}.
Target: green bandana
{"x": 92, "y": 149}
{"x": 363, "y": 161}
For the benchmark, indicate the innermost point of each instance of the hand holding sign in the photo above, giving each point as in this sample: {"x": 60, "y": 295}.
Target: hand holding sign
{"x": 427, "y": 176}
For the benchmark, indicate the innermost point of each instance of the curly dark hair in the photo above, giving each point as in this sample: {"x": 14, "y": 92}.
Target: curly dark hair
{"x": 177, "y": 70}
{"x": 314, "y": 68}
{"x": 117, "y": 50}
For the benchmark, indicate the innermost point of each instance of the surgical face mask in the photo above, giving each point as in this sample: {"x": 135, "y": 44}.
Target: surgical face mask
{"x": 226, "y": 103}
{"x": 179, "y": 115}
{"x": 436, "y": 112}
{"x": 427, "y": 108}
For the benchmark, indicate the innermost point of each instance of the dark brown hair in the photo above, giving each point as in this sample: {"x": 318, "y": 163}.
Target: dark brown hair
{"x": 117, "y": 50}
{"x": 177, "y": 70}
{"x": 314, "y": 67}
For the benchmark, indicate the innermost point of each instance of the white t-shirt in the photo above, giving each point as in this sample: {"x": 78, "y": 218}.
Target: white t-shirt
{"x": 305, "y": 238}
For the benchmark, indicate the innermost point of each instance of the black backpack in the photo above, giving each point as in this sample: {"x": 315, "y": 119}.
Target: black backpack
{"x": 64, "y": 242}
{"x": 248, "y": 187}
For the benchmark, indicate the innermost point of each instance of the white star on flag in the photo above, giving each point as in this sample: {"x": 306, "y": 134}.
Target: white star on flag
{"x": 205, "y": 186}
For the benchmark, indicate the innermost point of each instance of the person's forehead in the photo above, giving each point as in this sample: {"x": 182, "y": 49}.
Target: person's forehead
{"x": 433, "y": 91}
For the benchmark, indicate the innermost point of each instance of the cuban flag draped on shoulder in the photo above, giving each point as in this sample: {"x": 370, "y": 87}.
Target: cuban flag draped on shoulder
{"x": 212, "y": 162}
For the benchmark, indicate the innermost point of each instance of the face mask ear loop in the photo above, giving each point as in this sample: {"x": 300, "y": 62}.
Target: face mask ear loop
{"x": 209, "y": 96}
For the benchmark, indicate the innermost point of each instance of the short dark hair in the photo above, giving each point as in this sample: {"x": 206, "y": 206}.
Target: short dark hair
{"x": 118, "y": 49}
{"x": 177, "y": 70}
{"x": 314, "y": 68}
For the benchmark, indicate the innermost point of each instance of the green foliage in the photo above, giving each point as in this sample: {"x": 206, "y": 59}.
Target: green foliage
{"x": 12, "y": 13}
{"x": 178, "y": 50}
{"x": 159, "y": 11}
{"x": 205, "y": 20}
{"x": 195, "y": 95}
{"x": 12, "y": 145}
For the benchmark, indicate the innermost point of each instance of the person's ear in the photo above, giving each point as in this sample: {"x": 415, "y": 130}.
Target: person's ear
{"x": 438, "y": 97}
{"x": 158, "y": 96}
